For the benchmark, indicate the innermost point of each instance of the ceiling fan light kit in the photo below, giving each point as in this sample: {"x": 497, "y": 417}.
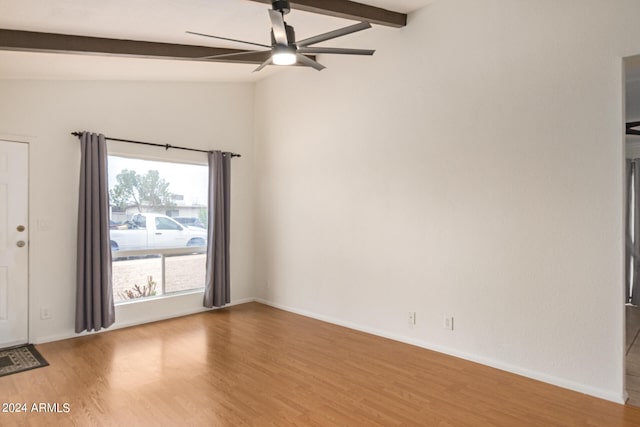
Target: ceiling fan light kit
{"x": 285, "y": 50}
{"x": 284, "y": 55}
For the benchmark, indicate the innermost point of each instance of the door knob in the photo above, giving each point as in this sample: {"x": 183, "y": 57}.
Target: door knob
{"x": 20, "y": 228}
{"x": 21, "y": 243}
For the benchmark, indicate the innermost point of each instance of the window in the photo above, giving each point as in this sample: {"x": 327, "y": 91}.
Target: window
{"x": 153, "y": 254}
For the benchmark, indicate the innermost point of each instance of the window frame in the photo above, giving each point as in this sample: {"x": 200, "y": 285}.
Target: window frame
{"x": 125, "y": 151}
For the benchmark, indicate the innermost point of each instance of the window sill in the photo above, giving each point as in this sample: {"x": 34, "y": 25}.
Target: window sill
{"x": 159, "y": 297}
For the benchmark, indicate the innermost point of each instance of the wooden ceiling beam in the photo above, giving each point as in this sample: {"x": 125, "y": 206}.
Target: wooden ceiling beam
{"x": 349, "y": 10}
{"x": 633, "y": 125}
{"x": 28, "y": 41}
{"x": 631, "y": 130}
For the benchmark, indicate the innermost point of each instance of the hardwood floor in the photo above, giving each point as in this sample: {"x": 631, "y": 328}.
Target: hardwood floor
{"x": 255, "y": 365}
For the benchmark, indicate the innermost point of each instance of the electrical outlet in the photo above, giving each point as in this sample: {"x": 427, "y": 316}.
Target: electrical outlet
{"x": 45, "y": 313}
{"x": 448, "y": 323}
{"x": 412, "y": 318}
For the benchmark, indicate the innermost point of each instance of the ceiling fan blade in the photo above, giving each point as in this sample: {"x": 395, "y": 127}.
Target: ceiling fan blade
{"x": 279, "y": 30}
{"x": 264, "y": 64}
{"x": 309, "y": 62}
{"x": 335, "y": 33}
{"x": 233, "y": 55}
{"x": 335, "y": 50}
{"x": 231, "y": 40}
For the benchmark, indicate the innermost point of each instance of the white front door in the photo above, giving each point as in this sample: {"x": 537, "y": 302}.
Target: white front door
{"x": 14, "y": 239}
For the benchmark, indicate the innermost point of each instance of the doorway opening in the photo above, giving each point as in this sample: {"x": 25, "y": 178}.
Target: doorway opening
{"x": 632, "y": 226}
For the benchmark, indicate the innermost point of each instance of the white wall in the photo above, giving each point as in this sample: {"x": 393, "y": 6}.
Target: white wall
{"x": 632, "y": 147}
{"x": 471, "y": 167}
{"x": 43, "y": 113}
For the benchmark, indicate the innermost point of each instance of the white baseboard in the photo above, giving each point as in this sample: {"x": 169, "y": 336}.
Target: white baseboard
{"x": 72, "y": 334}
{"x": 549, "y": 379}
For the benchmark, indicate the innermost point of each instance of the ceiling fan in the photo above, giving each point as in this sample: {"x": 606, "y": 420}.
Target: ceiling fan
{"x": 285, "y": 50}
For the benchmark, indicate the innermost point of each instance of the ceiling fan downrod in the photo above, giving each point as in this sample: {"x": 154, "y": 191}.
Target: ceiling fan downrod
{"x": 281, "y": 6}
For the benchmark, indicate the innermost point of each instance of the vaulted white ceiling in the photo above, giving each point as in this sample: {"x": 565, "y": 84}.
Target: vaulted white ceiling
{"x": 158, "y": 21}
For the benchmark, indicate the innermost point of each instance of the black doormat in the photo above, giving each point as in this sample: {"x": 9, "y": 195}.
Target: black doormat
{"x": 18, "y": 359}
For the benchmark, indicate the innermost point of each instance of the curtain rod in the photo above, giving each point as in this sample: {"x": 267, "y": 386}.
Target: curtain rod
{"x": 165, "y": 146}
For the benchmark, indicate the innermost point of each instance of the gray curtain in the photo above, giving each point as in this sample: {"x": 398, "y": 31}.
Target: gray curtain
{"x": 94, "y": 293}
{"x": 217, "y": 284}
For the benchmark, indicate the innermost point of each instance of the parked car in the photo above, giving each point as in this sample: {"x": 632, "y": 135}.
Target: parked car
{"x": 146, "y": 230}
{"x": 191, "y": 221}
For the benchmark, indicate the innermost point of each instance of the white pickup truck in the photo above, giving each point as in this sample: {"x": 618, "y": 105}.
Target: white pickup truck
{"x": 147, "y": 230}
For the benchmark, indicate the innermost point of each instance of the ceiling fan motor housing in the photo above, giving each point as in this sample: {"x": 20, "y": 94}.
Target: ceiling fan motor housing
{"x": 291, "y": 36}
{"x": 282, "y": 6}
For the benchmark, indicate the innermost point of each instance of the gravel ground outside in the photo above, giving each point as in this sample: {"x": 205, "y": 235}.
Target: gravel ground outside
{"x": 181, "y": 273}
